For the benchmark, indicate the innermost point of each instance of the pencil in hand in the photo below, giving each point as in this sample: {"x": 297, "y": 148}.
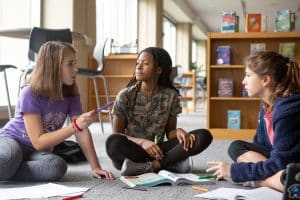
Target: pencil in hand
{"x": 105, "y": 106}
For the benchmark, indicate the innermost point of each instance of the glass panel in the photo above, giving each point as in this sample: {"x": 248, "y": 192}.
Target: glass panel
{"x": 169, "y": 38}
{"x": 14, "y": 50}
{"x": 117, "y": 20}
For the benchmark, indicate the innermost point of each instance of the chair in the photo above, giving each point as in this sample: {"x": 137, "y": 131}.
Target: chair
{"x": 98, "y": 54}
{"x": 38, "y": 36}
{"x": 3, "y": 69}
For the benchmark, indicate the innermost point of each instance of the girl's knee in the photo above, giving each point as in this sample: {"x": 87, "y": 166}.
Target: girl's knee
{"x": 114, "y": 141}
{"x": 235, "y": 149}
{"x": 203, "y": 136}
{"x": 57, "y": 168}
{"x": 11, "y": 157}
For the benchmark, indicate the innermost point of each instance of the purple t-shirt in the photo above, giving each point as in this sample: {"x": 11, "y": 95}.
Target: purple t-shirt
{"x": 53, "y": 114}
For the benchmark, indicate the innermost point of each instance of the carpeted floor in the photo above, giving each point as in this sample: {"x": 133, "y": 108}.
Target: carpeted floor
{"x": 80, "y": 174}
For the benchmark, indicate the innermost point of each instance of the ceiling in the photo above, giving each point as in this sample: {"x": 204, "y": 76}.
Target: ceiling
{"x": 205, "y": 15}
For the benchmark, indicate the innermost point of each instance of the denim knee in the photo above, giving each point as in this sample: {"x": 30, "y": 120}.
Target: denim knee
{"x": 57, "y": 168}
{"x": 11, "y": 157}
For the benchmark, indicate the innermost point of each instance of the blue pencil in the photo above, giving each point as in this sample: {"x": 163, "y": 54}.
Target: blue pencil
{"x": 105, "y": 106}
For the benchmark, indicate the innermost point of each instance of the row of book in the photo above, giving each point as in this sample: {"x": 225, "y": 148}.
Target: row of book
{"x": 287, "y": 49}
{"x": 256, "y": 22}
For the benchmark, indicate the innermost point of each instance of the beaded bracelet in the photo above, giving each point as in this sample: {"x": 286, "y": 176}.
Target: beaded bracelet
{"x": 76, "y": 126}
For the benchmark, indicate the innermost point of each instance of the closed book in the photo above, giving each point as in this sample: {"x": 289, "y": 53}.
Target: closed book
{"x": 257, "y": 47}
{"x": 253, "y": 22}
{"x": 228, "y": 21}
{"x": 225, "y": 87}
{"x": 283, "y": 20}
{"x": 233, "y": 119}
{"x": 287, "y": 49}
{"x": 223, "y": 55}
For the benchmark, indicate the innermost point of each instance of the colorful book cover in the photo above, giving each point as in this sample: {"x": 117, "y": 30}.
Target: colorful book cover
{"x": 233, "y": 119}
{"x": 225, "y": 87}
{"x": 283, "y": 20}
{"x": 287, "y": 49}
{"x": 257, "y": 47}
{"x": 253, "y": 22}
{"x": 223, "y": 55}
{"x": 228, "y": 21}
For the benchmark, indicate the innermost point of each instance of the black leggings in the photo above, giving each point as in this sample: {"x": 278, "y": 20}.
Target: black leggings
{"x": 118, "y": 147}
{"x": 239, "y": 147}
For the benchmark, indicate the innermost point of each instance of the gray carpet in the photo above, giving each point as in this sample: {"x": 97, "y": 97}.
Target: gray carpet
{"x": 80, "y": 174}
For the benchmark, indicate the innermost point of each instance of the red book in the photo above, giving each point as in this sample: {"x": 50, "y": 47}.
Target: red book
{"x": 253, "y": 22}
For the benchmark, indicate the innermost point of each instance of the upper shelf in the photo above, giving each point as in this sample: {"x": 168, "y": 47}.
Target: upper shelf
{"x": 247, "y": 35}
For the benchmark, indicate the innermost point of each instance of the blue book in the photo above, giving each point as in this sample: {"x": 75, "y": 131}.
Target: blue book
{"x": 223, "y": 55}
{"x": 233, "y": 119}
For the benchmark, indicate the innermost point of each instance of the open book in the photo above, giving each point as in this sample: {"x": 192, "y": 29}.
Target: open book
{"x": 261, "y": 193}
{"x": 164, "y": 177}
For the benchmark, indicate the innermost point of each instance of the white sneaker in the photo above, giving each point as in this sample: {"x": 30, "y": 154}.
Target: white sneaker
{"x": 130, "y": 168}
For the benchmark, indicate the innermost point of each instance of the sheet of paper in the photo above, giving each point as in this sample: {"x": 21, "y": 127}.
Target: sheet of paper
{"x": 39, "y": 191}
{"x": 261, "y": 193}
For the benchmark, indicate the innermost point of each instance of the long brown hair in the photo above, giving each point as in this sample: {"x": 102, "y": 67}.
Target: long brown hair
{"x": 46, "y": 76}
{"x": 284, "y": 72}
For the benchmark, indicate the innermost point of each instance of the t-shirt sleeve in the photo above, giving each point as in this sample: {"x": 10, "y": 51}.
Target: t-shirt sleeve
{"x": 175, "y": 107}
{"x": 120, "y": 104}
{"x": 75, "y": 106}
{"x": 29, "y": 102}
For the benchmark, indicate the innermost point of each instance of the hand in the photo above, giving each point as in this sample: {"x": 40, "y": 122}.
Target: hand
{"x": 152, "y": 149}
{"x": 186, "y": 139}
{"x": 220, "y": 169}
{"x": 98, "y": 173}
{"x": 86, "y": 119}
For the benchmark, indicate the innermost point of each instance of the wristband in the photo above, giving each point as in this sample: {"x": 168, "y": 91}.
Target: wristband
{"x": 76, "y": 126}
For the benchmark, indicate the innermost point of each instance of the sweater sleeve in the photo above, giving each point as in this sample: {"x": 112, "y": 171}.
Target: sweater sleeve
{"x": 285, "y": 150}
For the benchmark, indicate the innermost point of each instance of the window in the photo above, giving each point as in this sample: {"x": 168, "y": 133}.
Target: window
{"x": 194, "y": 51}
{"x": 169, "y": 38}
{"x": 117, "y": 19}
{"x": 14, "y": 50}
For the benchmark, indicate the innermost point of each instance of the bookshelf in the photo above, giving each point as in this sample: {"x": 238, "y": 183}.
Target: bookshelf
{"x": 118, "y": 71}
{"x": 187, "y": 91}
{"x": 217, "y": 106}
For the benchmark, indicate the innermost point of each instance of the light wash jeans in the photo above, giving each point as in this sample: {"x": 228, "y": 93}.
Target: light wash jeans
{"x": 21, "y": 163}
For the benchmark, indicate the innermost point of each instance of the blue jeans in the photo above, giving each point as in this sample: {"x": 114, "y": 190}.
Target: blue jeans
{"x": 21, "y": 163}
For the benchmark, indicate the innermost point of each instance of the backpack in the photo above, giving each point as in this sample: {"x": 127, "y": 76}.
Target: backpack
{"x": 70, "y": 151}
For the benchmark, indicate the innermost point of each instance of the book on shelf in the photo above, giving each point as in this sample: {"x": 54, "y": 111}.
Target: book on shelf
{"x": 283, "y": 20}
{"x": 233, "y": 119}
{"x": 253, "y": 22}
{"x": 164, "y": 177}
{"x": 229, "y": 21}
{"x": 244, "y": 92}
{"x": 292, "y": 21}
{"x": 261, "y": 193}
{"x": 223, "y": 55}
{"x": 256, "y": 47}
{"x": 186, "y": 81}
{"x": 287, "y": 49}
{"x": 225, "y": 87}
{"x": 264, "y": 23}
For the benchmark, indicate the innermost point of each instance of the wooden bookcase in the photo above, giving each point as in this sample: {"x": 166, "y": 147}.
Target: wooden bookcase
{"x": 187, "y": 91}
{"x": 118, "y": 71}
{"x": 217, "y": 107}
